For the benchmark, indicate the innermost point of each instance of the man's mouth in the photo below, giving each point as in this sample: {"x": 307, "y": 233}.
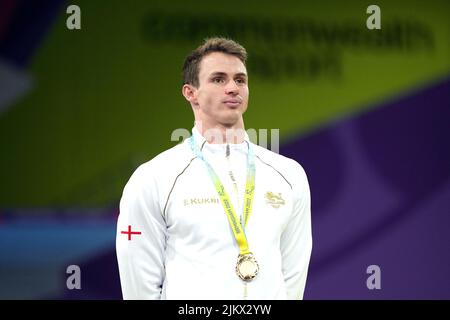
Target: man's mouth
{"x": 233, "y": 103}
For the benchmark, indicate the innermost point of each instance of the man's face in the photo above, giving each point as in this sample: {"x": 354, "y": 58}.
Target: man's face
{"x": 222, "y": 94}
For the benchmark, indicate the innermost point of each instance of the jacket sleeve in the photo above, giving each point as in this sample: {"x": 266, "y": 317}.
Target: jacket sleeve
{"x": 141, "y": 258}
{"x": 296, "y": 240}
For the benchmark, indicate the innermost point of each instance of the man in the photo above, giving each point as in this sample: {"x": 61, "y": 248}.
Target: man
{"x": 215, "y": 217}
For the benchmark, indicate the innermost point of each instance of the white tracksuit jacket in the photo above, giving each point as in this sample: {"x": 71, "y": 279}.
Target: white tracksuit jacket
{"x": 186, "y": 248}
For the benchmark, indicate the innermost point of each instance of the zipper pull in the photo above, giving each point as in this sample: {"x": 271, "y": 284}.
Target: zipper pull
{"x": 227, "y": 153}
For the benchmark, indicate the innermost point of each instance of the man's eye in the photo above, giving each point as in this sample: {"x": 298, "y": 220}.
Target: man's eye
{"x": 240, "y": 81}
{"x": 218, "y": 80}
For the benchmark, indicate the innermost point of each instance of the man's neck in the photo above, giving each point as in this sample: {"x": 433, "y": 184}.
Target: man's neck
{"x": 219, "y": 134}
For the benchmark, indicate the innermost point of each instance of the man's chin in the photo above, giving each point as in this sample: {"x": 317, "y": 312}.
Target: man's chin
{"x": 230, "y": 121}
{"x": 232, "y": 116}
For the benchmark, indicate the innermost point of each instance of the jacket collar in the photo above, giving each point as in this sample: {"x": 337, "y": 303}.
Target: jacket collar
{"x": 219, "y": 147}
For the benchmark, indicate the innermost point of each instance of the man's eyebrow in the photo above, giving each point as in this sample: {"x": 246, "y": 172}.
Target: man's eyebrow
{"x": 219, "y": 73}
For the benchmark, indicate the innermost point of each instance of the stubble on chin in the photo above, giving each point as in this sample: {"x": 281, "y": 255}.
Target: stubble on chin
{"x": 231, "y": 118}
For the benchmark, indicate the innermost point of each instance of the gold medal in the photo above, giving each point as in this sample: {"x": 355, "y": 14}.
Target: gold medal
{"x": 247, "y": 268}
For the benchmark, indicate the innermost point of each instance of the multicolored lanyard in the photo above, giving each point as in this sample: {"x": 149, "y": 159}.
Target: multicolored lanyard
{"x": 233, "y": 219}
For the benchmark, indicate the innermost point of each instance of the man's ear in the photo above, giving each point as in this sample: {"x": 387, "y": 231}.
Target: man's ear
{"x": 189, "y": 92}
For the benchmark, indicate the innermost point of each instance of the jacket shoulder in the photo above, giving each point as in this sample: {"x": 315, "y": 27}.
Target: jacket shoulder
{"x": 291, "y": 170}
{"x": 165, "y": 164}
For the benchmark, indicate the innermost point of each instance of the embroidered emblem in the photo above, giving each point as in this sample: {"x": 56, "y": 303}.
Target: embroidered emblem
{"x": 274, "y": 200}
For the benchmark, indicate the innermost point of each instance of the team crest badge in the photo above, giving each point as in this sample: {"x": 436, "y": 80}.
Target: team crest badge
{"x": 275, "y": 200}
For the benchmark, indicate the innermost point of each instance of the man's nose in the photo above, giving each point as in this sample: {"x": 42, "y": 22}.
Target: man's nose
{"x": 231, "y": 88}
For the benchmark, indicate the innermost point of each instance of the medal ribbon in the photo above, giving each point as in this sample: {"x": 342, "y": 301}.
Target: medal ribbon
{"x": 233, "y": 219}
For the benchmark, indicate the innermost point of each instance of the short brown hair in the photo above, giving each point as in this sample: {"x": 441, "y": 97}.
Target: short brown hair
{"x": 191, "y": 65}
